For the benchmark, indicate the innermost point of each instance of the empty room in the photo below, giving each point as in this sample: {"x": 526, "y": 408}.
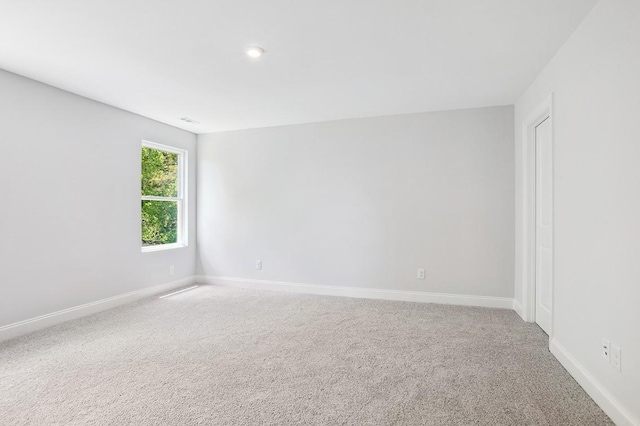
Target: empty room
{"x": 392, "y": 212}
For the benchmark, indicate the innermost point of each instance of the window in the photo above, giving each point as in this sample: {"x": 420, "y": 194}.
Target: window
{"x": 163, "y": 182}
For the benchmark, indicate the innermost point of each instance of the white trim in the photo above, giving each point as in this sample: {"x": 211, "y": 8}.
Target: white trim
{"x": 518, "y": 308}
{"x": 161, "y": 147}
{"x": 619, "y": 414}
{"x": 159, "y": 247}
{"x": 360, "y": 292}
{"x": 540, "y": 114}
{"x": 154, "y": 198}
{"x": 38, "y": 323}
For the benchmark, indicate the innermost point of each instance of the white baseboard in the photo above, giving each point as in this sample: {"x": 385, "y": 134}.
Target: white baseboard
{"x": 359, "y": 292}
{"x": 34, "y": 324}
{"x": 617, "y": 413}
{"x": 518, "y": 308}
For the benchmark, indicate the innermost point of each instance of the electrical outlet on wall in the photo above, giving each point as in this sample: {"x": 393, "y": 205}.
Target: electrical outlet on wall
{"x": 420, "y": 275}
{"x": 171, "y": 270}
{"x": 258, "y": 264}
{"x": 605, "y": 349}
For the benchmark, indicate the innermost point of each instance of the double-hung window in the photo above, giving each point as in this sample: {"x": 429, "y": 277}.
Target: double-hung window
{"x": 163, "y": 181}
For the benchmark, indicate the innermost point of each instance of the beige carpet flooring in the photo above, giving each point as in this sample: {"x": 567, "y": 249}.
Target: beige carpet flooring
{"x": 220, "y": 356}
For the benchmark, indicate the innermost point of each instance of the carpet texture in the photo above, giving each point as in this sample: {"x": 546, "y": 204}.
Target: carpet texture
{"x": 220, "y": 356}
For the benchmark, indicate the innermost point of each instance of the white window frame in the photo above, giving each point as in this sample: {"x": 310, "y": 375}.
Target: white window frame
{"x": 181, "y": 199}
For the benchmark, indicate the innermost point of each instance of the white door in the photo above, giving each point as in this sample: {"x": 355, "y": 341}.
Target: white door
{"x": 544, "y": 225}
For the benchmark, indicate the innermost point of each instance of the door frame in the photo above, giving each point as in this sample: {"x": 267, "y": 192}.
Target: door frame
{"x": 543, "y": 112}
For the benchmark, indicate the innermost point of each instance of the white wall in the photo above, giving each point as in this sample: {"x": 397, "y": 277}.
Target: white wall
{"x": 596, "y": 81}
{"x": 70, "y": 201}
{"x": 364, "y": 202}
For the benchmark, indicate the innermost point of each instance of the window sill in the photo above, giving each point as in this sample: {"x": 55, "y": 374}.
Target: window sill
{"x": 162, "y": 247}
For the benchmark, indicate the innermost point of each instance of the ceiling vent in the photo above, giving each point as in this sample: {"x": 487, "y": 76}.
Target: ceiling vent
{"x": 189, "y": 120}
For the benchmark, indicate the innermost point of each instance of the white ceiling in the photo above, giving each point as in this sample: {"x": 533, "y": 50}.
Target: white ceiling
{"x": 324, "y": 59}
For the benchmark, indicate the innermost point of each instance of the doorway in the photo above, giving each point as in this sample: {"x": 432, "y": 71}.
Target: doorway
{"x": 538, "y": 214}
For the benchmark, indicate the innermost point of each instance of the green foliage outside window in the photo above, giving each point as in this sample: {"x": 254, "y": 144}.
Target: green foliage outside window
{"x": 159, "y": 179}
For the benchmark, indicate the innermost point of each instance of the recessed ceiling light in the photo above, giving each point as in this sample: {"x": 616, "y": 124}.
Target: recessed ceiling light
{"x": 255, "y": 51}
